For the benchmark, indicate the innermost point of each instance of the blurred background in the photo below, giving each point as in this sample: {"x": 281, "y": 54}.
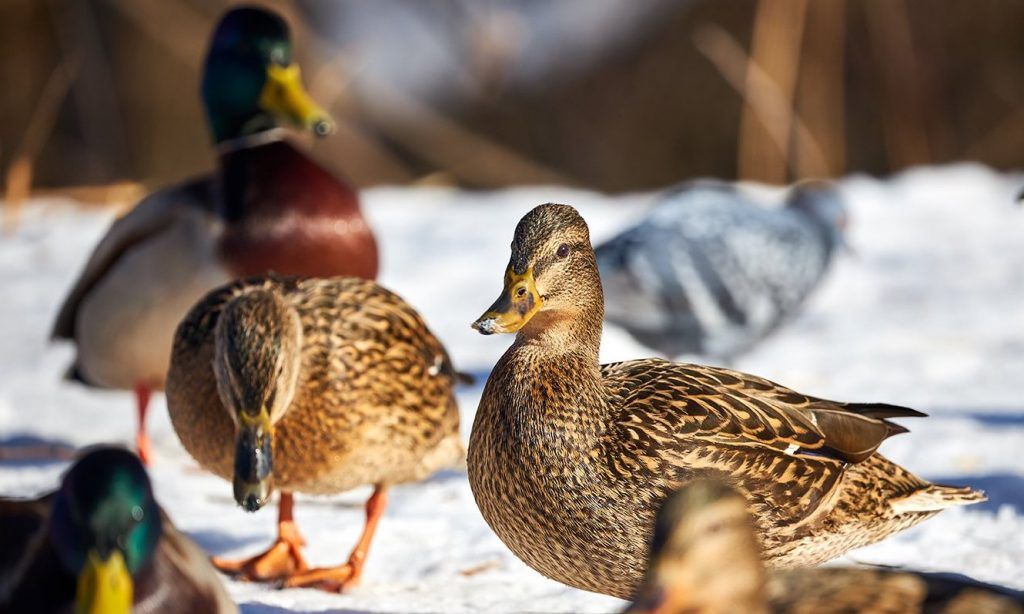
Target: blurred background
{"x": 605, "y": 94}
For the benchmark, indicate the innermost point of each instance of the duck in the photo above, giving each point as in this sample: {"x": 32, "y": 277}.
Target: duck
{"x": 705, "y": 559}
{"x": 570, "y": 459}
{"x": 267, "y": 207}
{"x": 710, "y": 271}
{"x": 101, "y": 543}
{"x": 317, "y": 386}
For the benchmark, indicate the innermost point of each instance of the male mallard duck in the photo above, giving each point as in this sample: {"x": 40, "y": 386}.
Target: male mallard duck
{"x": 268, "y": 207}
{"x": 711, "y": 271}
{"x": 569, "y": 459}
{"x": 705, "y": 560}
{"x": 100, "y": 543}
{"x": 315, "y": 386}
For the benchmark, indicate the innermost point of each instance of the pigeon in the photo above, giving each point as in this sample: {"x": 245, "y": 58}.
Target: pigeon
{"x": 711, "y": 271}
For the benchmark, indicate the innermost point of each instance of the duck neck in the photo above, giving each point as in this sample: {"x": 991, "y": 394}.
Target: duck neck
{"x": 573, "y": 324}
{"x": 575, "y": 331}
{"x": 559, "y": 405}
{"x": 246, "y": 162}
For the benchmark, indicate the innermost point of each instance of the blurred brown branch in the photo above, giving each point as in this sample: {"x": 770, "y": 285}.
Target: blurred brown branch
{"x": 18, "y": 176}
{"x": 775, "y": 56}
{"x": 762, "y": 95}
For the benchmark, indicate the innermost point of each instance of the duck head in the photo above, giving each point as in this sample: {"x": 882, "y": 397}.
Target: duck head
{"x": 105, "y": 527}
{"x": 551, "y": 277}
{"x": 704, "y": 555}
{"x": 250, "y": 82}
{"x": 822, "y": 202}
{"x": 257, "y": 340}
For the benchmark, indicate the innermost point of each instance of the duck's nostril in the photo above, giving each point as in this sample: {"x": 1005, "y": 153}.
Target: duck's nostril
{"x": 252, "y": 503}
{"x": 323, "y": 127}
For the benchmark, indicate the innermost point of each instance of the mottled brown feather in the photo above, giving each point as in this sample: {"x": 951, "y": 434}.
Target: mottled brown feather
{"x": 570, "y": 459}
{"x": 374, "y": 401}
{"x": 705, "y": 559}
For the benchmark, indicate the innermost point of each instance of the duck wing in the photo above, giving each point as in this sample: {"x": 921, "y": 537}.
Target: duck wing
{"x": 722, "y": 406}
{"x": 151, "y": 216}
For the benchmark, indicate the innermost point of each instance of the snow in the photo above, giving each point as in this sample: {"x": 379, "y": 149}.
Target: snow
{"x": 927, "y": 311}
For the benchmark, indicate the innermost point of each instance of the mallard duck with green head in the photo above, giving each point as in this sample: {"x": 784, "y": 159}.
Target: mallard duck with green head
{"x": 705, "y": 559}
{"x": 268, "y": 207}
{"x": 314, "y": 386}
{"x": 101, "y": 544}
{"x": 570, "y": 459}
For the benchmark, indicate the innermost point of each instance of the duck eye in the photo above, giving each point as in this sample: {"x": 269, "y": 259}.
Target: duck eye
{"x": 563, "y": 251}
{"x": 278, "y": 56}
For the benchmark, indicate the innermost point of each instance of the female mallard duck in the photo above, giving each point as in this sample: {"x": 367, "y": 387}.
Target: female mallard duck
{"x": 314, "y": 386}
{"x": 705, "y": 560}
{"x": 569, "y": 459}
{"x": 100, "y": 543}
{"x": 267, "y": 208}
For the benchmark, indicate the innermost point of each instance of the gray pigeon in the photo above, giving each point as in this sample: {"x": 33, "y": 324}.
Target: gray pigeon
{"x": 711, "y": 271}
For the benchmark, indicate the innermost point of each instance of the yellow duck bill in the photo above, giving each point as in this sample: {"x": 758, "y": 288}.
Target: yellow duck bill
{"x": 284, "y": 96}
{"x": 254, "y": 461}
{"x": 519, "y": 301}
{"x": 104, "y": 585}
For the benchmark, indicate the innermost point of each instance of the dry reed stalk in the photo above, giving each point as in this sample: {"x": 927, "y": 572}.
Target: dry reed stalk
{"x": 775, "y": 55}
{"x": 759, "y": 92}
{"x": 18, "y": 176}
{"x": 904, "y": 100}
{"x": 820, "y": 92}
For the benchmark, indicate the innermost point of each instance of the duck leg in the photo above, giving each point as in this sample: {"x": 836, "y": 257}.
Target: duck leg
{"x": 281, "y": 560}
{"x": 341, "y": 578}
{"x": 142, "y": 444}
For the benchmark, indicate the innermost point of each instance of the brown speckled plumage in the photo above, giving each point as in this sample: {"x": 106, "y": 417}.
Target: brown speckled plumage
{"x": 570, "y": 459}
{"x": 373, "y": 399}
{"x": 705, "y": 560}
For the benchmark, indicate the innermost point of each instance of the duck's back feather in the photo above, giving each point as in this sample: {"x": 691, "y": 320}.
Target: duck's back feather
{"x": 153, "y": 214}
{"x": 723, "y": 406}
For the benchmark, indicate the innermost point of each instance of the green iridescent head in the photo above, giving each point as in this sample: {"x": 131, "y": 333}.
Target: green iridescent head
{"x": 105, "y": 527}
{"x": 250, "y": 82}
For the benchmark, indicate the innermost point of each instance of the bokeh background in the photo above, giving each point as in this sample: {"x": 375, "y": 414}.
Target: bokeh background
{"x": 457, "y": 116}
{"x": 605, "y": 94}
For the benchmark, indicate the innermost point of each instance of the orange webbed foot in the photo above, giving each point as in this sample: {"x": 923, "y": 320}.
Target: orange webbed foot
{"x": 282, "y": 560}
{"x": 331, "y": 579}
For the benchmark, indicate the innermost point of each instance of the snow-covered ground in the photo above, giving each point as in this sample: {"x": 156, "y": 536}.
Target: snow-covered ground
{"x": 928, "y": 311}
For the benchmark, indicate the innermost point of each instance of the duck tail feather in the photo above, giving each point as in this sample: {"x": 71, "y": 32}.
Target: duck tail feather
{"x": 883, "y": 410}
{"x": 937, "y": 497}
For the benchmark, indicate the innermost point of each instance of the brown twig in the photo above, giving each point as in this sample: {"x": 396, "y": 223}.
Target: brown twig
{"x": 758, "y": 90}
{"x": 18, "y": 177}
{"x": 775, "y": 55}
{"x": 820, "y": 99}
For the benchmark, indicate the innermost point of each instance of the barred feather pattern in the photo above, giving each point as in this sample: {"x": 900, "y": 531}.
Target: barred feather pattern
{"x": 374, "y": 400}
{"x": 825, "y": 591}
{"x": 569, "y": 461}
